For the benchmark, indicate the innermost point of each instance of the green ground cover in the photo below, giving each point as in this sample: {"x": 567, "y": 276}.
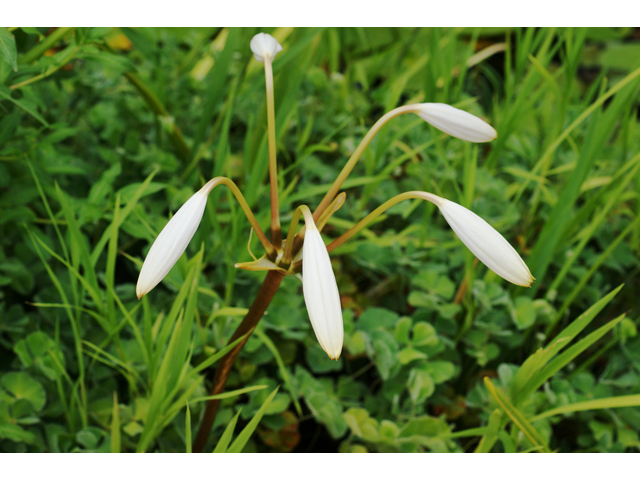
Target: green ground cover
{"x": 105, "y": 132}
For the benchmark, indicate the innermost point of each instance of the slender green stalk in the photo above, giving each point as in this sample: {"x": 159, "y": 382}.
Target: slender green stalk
{"x": 333, "y": 191}
{"x": 50, "y": 71}
{"x": 379, "y": 211}
{"x": 37, "y": 51}
{"x": 213, "y": 183}
{"x": 351, "y": 163}
{"x": 276, "y": 235}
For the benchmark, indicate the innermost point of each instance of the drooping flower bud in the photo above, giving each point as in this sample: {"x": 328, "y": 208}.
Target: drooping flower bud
{"x": 321, "y": 294}
{"x": 456, "y": 122}
{"x": 264, "y": 46}
{"x": 486, "y": 243}
{"x": 171, "y": 243}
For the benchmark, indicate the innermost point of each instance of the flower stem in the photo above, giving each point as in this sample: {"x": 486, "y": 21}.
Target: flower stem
{"x": 258, "y": 307}
{"x": 214, "y": 182}
{"x": 276, "y": 236}
{"x": 379, "y": 211}
{"x": 356, "y": 156}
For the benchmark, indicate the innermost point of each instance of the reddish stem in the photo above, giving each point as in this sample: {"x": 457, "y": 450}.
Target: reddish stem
{"x": 260, "y": 303}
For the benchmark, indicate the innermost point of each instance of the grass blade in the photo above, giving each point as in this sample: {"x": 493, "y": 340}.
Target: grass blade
{"x": 490, "y": 436}
{"x": 543, "y": 355}
{"x": 242, "y": 439}
{"x": 600, "y": 403}
{"x": 563, "y": 359}
{"x": 225, "y": 439}
{"x": 517, "y": 417}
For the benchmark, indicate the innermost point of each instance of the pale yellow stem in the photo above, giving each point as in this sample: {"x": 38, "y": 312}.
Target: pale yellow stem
{"x": 333, "y": 191}
{"x": 430, "y": 197}
{"x": 276, "y": 236}
{"x": 214, "y": 182}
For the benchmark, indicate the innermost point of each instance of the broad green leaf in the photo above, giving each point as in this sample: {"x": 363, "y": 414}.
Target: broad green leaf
{"x": 440, "y": 371}
{"x": 420, "y": 384}
{"x": 525, "y": 313}
{"x": 426, "y": 431}
{"x": 362, "y": 425}
{"x": 23, "y": 386}
{"x": 15, "y": 433}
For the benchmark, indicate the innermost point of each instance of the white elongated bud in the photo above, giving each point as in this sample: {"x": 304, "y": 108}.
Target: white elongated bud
{"x": 486, "y": 243}
{"x": 171, "y": 243}
{"x": 321, "y": 293}
{"x": 456, "y": 122}
{"x": 264, "y": 46}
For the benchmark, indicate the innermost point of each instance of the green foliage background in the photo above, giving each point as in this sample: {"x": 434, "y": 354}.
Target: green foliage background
{"x": 104, "y": 132}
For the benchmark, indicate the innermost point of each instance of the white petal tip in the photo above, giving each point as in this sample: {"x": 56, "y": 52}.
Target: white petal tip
{"x": 265, "y": 47}
{"x": 528, "y": 283}
{"x": 334, "y": 356}
{"x": 456, "y": 122}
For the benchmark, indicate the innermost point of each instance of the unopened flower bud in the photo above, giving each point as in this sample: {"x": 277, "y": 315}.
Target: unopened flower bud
{"x": 486, "y": 243}
{"x": 264, "y": 46}
{"x": 321, "y": 293}
{"x": 171, "y": 243}
{"x": 456, "y": 122}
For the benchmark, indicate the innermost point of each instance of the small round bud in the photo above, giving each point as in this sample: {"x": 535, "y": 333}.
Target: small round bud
{"x": 265, "y": 47}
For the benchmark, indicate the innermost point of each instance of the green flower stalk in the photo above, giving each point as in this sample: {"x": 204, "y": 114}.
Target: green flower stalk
{"x": 265, "y": 48}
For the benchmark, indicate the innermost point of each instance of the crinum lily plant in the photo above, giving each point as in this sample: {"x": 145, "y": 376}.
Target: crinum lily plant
{"x": 303, "y": 251}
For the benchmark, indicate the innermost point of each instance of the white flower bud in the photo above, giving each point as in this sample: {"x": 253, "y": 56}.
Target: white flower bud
{"x": 321, "y": 293}
{"x": 456, "y": 122}
{"x": 264, "y": 46}
{"x": 486, "y": 243}
{"x": 171, "y": 243}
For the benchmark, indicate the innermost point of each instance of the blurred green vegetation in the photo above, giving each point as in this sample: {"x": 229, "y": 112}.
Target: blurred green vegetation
{"x": 104, "y": 132}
